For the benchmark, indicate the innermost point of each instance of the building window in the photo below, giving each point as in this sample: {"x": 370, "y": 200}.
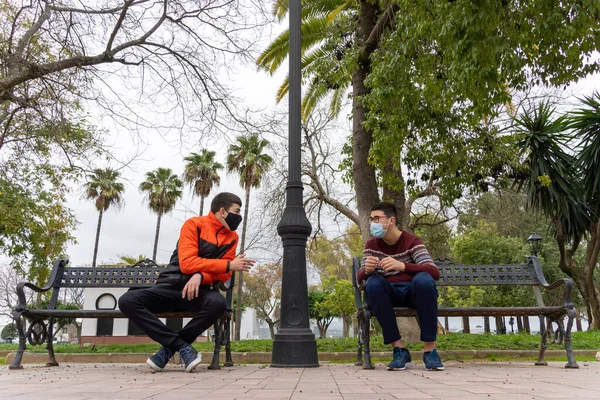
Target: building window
{"x": 64, "y": 331}
{"x": 104, "y": 326}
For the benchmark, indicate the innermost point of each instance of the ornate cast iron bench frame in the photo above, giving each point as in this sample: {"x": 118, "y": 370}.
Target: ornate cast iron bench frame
{"x": 477, "y": 275}
{"x": 142, "y": 274}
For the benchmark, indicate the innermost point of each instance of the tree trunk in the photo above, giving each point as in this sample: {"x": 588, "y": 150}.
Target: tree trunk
{"x": 272, "y": 329}
{"x": 591, "y": 260}
{"x": 520, "y": 324}
{"x": 578, "y": 321}
{"x": 240, "y": 289}
{"x": 499, "y": 326}
{"x": 447, "y": 324}
{"x": 345, "y": 327}
{"x": 466, "y": 325}
{"x": 156, "y": 236}
{"x": 323, "y": 325}
{"x": 397, "y": 196}
{"x": 201, "y": 206}
{"x": 526, "y": 325}
{"x": 365, "y": 183}
{"x": 322, "y": 331}
{"x": 100, "y": 212}
{"x": 486, "y": 324}
{"x": 582, "y": 277}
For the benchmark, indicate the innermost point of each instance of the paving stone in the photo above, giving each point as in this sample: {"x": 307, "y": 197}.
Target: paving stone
{"x": 460, "y": 380}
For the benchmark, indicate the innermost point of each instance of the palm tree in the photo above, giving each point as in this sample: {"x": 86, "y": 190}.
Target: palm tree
{"x": 561, "y": 179}
{"x": 246, "y": 158}
{"x": 317, "y": 19}
{"x": 163, "y": 188}
{"x": 104, "y": 188}
{"x": 201, "y": 173}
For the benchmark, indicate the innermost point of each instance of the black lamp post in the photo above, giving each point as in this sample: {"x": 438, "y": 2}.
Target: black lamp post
{"x": 535, "y": 243}
{"x": 294, "y": 344}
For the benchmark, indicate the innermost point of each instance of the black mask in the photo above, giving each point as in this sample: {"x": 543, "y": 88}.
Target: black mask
{"x": 233, "y": 220}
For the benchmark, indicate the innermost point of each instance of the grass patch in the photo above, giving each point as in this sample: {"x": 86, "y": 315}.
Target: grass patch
{"x": 454, "y": 341}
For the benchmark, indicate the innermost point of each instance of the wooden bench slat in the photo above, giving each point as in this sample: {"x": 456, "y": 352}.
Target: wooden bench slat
{"x": 486, "y": 311}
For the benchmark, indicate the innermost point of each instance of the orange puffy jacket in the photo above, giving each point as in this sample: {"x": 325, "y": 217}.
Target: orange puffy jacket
{"x": 205, "y": 246}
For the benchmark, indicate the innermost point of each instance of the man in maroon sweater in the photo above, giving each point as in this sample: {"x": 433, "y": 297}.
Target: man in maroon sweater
{"x": 399, "y": 272}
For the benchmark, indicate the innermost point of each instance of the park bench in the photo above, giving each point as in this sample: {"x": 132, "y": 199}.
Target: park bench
{"x": 36, "y": 325}
{"x": 452, "y": 274}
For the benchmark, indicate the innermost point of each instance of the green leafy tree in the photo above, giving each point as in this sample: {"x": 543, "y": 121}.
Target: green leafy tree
{"x": 201, "y": 174}
{"x": 333, "y": 257}
{"x": 263, "y": 293}
{"x": 130, "y": 260}
{"x": 562, "y": 182}
{"x": 339, "y": 300}
{"x": 35, "y": 225}
{"x": 318, "y": 311}
{"x": 436, "y": 235}
{"x": 163, "y": 188}
{"x": 248, "y": 158}
{"x": 104, "y": 188}
{"x": 430, "y": 109}
{"x": 483, "y": 244}
{"x": 9, "y": 331}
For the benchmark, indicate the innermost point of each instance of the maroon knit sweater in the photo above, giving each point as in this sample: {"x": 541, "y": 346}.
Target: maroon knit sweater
{"x": 409, "y": 249}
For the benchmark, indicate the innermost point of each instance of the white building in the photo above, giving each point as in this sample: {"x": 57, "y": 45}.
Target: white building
{"x": 116, "y": 330}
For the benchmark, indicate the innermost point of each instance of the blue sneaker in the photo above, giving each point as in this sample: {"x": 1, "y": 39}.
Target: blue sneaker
{"x": 402, "y": 359}
{"x": 190, "y": 357}
{"x": 158, "y": 361}
{"x": 432, "y": 361}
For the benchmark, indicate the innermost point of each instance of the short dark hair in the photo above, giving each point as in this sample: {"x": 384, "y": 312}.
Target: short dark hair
{"x": 389, "y": 209}
{"x": 225, "y": 200}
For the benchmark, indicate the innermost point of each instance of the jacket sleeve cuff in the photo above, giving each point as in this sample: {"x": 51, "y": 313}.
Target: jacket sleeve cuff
{"x": 228, "y": 267}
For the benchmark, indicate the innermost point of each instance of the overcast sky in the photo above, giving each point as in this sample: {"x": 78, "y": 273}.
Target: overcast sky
{"x": 130, "y": 231}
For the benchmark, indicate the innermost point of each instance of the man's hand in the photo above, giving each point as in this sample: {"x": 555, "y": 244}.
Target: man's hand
{"x": 241, "y": 263}
{"x": 370, "y": 264}
{"x": 192, "y": 287}
{"x": 390, "y": 264}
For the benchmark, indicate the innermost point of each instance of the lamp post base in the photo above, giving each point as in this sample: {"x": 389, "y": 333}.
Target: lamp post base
{"x": 294, "y": 348}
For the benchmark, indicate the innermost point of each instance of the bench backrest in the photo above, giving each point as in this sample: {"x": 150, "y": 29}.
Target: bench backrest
{"x": 499, "y": 274}
{"x": 466, "y": 275}
{"x": 143, "y": 274}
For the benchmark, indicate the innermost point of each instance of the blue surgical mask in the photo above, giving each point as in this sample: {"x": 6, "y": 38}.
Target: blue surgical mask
{"x": 377, "y": 229}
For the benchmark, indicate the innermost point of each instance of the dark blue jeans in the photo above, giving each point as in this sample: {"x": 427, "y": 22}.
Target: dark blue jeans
{"x": 420, "y": 294}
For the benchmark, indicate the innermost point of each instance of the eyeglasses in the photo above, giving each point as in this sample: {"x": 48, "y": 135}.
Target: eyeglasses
{"x": 376, "y": 218}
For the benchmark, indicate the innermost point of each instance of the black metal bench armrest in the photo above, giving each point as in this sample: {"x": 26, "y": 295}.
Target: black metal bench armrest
{"x": 227, "y": 287}
{"x": 359, "y": 299}
{"x": 56, "y": 271}
{"x": 568, "y": 283}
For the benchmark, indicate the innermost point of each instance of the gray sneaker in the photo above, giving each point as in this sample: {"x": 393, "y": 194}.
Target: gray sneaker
{"x": 190, "y": 357}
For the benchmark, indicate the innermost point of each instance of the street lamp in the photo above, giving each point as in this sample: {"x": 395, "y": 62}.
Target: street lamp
{"x": 294, "y": 344}
{"x": 535, "y": 243}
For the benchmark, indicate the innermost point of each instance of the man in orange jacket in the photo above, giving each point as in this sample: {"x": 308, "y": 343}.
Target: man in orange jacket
{"x": 205, "y": 253}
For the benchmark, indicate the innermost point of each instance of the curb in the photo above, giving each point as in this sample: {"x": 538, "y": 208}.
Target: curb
{"x": 265, "y": 358}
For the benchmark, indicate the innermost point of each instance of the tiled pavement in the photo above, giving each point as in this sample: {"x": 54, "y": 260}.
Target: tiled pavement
{"x": 460, "y": 380}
